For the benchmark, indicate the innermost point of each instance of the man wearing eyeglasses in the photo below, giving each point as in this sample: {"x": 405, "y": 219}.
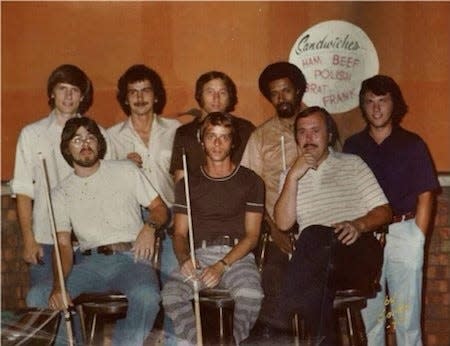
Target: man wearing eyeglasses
{"x": 69, "y": 93}
{"x": 100, "y": 203}
{"x": 146, "y": 138}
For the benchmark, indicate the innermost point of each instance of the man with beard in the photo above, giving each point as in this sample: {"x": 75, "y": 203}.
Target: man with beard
{"x": 227, "y": 202}
{"x": 214, "y": 92}
{"x": 270, "y": 150}
{"x": 100, "y": 202}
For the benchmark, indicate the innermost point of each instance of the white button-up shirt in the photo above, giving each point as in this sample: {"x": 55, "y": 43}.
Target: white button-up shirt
{"x": 155, "y": 156}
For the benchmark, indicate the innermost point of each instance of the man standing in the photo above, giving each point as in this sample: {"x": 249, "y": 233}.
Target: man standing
{"x": 227, "y": 203}
{"x": 69, "y": 93}
{"x": 338, "y": 204}
{"x": 100, "y": 202}
{"x": 214, "y": 92}
{"x": 402, "y": 164}
{"x": 270, "y": 150}
{"x": 146, "y": 138}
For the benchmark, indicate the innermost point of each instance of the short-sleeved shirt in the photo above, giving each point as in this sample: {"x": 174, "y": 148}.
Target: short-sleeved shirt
{"x": 155, "y": 156}
{"x": 218, "y": 205}
{"x": 342, "y": 188}
{"x": 264, "y": 155}
{"x": 103, "y": 208}
{"x": 401, "y": 163}
{"x": 187, "y": 137}
{"x": 41, "y": 137}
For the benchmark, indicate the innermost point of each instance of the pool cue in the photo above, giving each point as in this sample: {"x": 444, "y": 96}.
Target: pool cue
{"x": 198, "y": 321}
{"x": 67, "y": 316}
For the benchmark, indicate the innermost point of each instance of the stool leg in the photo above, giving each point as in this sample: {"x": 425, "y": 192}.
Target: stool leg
{"x": 221, "y": 333}
{"x": 93, "y": 326}
{"x": 82, "y": 322}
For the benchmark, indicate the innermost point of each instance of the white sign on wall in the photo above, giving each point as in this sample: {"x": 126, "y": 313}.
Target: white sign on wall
{"x": 335, "y": 56}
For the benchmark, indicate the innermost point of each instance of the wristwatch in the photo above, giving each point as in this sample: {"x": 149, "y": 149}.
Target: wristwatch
{"x": 226, "y": 266}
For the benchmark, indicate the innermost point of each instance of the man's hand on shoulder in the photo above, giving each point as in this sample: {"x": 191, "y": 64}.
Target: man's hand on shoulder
{"x": 136, "y": 158}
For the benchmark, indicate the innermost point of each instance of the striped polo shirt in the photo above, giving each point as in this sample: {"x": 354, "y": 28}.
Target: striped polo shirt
{"x": 342, "y": 188}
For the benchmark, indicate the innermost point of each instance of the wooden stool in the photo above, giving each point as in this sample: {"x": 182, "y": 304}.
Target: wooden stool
{"x": 217, "y": 316}
{"x": 96, "y": 310}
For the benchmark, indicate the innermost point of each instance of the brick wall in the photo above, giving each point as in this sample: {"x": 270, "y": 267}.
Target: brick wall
{"x": 436, "y": 307}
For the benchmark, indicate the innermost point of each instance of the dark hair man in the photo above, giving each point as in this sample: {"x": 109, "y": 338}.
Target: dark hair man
{"x": 270, "y": 150}
{"x": 402, "y": 164}
{"x": 69, "y": 95}
{"x": 227, "y": 202}
{"x": 100, "y": 202}
{"x": 146, "y": 138}
{"x": 214, "y": 92}
{"x": 338, "y": 204}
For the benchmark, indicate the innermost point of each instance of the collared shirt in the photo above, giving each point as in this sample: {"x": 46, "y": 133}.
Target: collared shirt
{"x": 264, "y": 154}
{"x": 155, "y": 156}
{"x": 401, "y": 163}
{"x": 41, "y": 137}
{"x": 342, "y": 188}
{"x": 103, "y": 208}
{"x": 188, "y": 138}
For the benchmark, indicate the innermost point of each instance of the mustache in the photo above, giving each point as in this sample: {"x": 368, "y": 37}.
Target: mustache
{"x": 310, "y": 145}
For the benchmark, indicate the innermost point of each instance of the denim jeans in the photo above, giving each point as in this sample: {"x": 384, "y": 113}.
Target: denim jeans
{"x": 320, "y": 265}
{"x": 138, "y": 281}
{"x": 402, "y": 274}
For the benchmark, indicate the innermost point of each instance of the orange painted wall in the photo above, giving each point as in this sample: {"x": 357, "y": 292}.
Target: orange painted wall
{"x": 181, "y": 40}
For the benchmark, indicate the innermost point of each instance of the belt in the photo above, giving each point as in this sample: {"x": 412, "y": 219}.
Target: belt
{"x": 407, "y": 216}
{"x": 221, "y": 241}
{"x": 110, "y": 249}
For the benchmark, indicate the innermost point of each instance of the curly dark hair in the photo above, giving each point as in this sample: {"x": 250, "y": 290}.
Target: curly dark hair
{"x": 137, "y": 73}
{"x": 70, "y": 130}
{"x": 209, "y": 76}
{"x": 73, "y": 75}
{"x": 381, "y": 85}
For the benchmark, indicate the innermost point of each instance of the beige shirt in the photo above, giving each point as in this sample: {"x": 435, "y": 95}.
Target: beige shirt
{"x": 264, "y": 154}
{"x": 103, "y": 208}
{"x": 155, "y": 156}
{"x": 41, "y": 137}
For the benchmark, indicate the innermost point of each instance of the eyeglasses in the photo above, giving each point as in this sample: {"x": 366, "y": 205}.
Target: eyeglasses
{"x": 78, "y": 141}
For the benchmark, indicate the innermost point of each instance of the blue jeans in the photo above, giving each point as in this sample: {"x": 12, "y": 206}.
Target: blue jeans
{"x": 402, "y": 274}
{"x": 138, "y": 281}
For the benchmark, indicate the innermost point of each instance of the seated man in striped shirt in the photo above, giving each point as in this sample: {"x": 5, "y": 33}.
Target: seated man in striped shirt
{"x": 338, "y": 203}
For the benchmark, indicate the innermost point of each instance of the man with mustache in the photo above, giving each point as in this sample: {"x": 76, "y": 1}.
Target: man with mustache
{"x": 100, "y": 202}
{"x": 338, "y": 204}
{"x": 270, "y": 150}
{"x": 69, "y": 93}
{"x": 146, "y": 138}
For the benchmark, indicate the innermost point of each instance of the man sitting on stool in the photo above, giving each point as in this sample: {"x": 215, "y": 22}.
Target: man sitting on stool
{"x": 100, "y": 202}
{"x": 227, "y": 203}
{"x": 337, "y": 203}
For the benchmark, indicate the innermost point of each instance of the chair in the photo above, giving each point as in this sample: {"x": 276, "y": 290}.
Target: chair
{"x": 97, "y": 309}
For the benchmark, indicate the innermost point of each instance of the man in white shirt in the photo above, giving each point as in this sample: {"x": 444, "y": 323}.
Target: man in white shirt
{"x": 69, "y": 95}
{"x": 100, "y": 202}
{"x": 146, "y": 138}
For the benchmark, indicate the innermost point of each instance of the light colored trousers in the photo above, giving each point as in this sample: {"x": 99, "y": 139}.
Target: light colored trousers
{"x": 243, "y": 280}
{"x": 402, "y": 273}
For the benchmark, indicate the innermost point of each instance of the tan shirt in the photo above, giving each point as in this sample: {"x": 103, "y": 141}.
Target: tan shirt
{"x": 264, "y": 155}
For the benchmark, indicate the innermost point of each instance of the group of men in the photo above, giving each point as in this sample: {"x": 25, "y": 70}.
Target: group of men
{"x": 115, "y": 189}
